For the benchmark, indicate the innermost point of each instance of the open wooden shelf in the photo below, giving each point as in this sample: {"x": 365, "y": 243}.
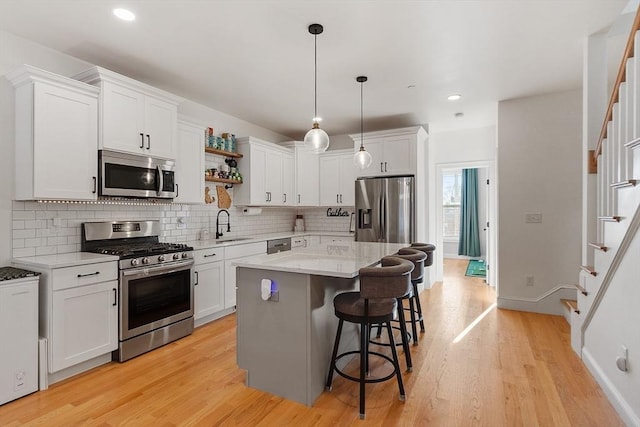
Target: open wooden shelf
{"x": 222, "y": 152}
{"x": 225, "y": 181}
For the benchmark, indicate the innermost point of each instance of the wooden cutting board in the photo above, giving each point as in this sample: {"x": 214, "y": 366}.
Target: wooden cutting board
{"x": 224, "y": 200}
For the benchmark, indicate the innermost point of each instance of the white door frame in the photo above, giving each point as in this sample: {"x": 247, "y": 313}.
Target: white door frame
{"x": 492, "y": 260}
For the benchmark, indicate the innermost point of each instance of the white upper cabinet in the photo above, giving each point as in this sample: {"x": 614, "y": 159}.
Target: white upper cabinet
{"x": 135, "y": 118}
{"x": 307, "y": 175}
{"x": 190, "y": 164}
{"x": 337, "y": 177}
{"x": 394, "y": 152}
{"x": 267, "y": 171}
{"x": 56, "y": 136}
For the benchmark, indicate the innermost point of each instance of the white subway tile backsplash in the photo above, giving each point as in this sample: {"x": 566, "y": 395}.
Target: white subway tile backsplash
{"x": 24, "y": 234}
{"x": 22, "y": 214}
{"x": 25, "y": 252}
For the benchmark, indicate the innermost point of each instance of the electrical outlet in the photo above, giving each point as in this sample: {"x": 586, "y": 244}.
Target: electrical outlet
{"x": 529, "y": 280}
{"x": 181, "y": 223}
{"x": 533, "y": 218}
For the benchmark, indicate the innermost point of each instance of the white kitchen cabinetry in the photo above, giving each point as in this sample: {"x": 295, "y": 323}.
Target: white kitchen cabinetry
{"x": 78, "y": 310}
{"x": 337, "y": 178}
{"x": 307, "y": 175}
{"x": 19, "y": 337}
{"x": 56, "y": 136}
{"x": 267, "y": 170}
{"x": 190, "y": 164}
{"x": 209, "y": 282}
{"x": 232, "y": 253}
{"x": 134, "y": 117}
{"x": 394, "y": 152}
{"x": 335, "y": 239}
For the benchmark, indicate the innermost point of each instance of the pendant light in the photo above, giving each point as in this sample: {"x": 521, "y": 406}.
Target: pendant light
{"x": 316, "y": 139}
{"x": 362, "y": 158}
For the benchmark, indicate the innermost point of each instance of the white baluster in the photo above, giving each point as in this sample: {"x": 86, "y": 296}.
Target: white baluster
{"x": 631, "y": 87}
{"x": 621, "y": 132}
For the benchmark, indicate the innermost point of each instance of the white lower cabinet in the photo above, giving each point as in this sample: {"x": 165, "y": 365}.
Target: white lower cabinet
{"x": 209, "y": 282}
{"x": 84, "y": 324}
{"x": 78, "y": 309}
{"x": 233, "y": 253}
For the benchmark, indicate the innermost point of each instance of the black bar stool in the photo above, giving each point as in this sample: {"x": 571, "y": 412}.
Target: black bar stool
{"x": 375, "y": 303}
{"x": 417, "y": 257}
{"x": 428, "y": 249}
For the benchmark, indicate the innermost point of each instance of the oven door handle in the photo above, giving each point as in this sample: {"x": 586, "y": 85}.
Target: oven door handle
{"x": 156, "y": 270}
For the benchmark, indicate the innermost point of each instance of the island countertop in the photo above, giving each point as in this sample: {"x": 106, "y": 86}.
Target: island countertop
{"x": 335, "y": 259}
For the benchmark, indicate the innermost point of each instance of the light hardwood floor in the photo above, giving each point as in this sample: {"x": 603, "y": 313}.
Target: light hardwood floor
{"x": 511, "y": 369}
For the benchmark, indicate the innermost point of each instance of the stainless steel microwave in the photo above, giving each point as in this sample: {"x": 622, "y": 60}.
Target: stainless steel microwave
{"x": 131, "y": 175}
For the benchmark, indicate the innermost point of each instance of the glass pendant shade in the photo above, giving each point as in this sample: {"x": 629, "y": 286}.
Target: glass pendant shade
{"x": 362, "y": 158}
{"x": 316, "y": 139}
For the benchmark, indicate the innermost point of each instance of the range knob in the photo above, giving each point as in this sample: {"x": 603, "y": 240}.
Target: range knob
{"x": 145, "y": 260}
{"x": 176, "y": 256}
{"x": 161, "y": 258}
{"x": 135, "y": 262}
{"x": 185, "y": 255}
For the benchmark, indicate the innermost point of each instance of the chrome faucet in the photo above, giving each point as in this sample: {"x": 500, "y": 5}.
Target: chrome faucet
{"x": 218, "y": 233}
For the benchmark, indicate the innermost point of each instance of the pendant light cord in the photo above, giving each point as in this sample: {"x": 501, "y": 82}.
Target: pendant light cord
{"x": 361, "y": 118}
{"x": 315, "y": 77}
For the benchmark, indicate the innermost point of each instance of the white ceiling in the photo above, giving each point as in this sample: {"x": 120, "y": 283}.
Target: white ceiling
{"x": 254, "y": 59}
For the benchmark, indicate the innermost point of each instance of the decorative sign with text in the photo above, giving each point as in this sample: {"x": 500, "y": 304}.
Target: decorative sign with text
{"x": 337, "y": 212}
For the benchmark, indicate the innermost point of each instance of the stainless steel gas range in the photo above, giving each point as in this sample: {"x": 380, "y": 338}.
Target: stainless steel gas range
{"x": 155, "y": 283}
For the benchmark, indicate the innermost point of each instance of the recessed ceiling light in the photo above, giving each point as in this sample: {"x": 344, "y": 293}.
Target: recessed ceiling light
{"x": 454, "y": 97}
{"x": 124, "y": 14}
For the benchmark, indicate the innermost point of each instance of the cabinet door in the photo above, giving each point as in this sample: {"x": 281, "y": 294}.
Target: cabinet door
{"x": 84, "y": 324}
{"x": 288, "y": 196}
{"x": 399, "y": 154}
{"x": 209, "y": 289}
{"x": 65, "y": 131}
{"x": 273, "y": 177}
{"x": 347, "y": 180}
{"x": 307, "y": 175}
{"x": 122, "y": 119}
{"x": 190, "y": 164}
{"x": 229, "y": 284}
{"x": 19, "y": 337}
{"x": 160, "y": 123}
{"x": 258, "y": 185}
{"x": 329, "y": 181}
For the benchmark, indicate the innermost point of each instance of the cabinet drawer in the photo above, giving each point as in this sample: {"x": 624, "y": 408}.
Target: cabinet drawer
{"x": 298, "y": 242}
{"x": 208, "y": 255}
{"x": 70, "y": 277}
{"x": 245, "y": 250}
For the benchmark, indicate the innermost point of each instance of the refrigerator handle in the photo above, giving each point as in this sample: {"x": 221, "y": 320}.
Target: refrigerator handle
{"x": 380, "y": 219}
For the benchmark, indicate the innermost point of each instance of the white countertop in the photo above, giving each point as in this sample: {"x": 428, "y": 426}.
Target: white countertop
{"x": 64, "y": 260}
{"x": 211, "y": 243}
{"x": 336, "y": 259}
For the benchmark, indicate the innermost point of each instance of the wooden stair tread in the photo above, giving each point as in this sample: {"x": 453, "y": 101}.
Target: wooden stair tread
{"x": 572, "y": 304}
{"x": 625, "y": 183}
{"x": 580, "y": 288}
{"x": 599, "y": 246}
{"x": 589, "y": 270}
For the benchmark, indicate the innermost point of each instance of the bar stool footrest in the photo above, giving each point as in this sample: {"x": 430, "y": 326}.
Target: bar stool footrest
{"x": 366, "y": 380}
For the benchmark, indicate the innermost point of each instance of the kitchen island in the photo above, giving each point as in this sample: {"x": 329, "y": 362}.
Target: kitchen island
{"x": 286, "y": 322}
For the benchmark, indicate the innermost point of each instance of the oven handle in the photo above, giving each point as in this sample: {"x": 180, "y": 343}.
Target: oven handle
{"x": 160, "y": 269}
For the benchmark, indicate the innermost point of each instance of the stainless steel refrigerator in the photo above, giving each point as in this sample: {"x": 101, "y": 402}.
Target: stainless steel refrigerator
{"x": 385, "y": 209}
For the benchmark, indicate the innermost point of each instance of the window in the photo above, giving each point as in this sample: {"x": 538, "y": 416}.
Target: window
{"x": 451, "y": 185}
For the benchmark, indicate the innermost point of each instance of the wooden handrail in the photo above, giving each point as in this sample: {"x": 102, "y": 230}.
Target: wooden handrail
{"x": 628, "y": 53}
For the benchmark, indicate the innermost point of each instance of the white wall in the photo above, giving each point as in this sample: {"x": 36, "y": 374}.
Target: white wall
{"x": 539, "y": 171}
{"x": 456, "y": 149}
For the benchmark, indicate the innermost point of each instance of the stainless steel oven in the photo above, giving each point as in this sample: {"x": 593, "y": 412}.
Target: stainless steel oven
{"x": 156, "y": 306}
{"x": 131, "y": 175}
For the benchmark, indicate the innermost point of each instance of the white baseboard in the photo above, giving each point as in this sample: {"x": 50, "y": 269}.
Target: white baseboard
{"x": 617, "y": 400}
{"x": 549, "y": 303}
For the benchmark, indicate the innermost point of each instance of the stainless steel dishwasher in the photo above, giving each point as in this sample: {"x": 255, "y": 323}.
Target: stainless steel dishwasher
{"x": 278, "y": 245}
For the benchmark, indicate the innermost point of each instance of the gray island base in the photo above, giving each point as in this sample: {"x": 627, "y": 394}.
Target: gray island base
{"x": 286, "y": 324}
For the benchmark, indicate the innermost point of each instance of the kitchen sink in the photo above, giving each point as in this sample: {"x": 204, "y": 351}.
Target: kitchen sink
{"x": 231, "y": 239}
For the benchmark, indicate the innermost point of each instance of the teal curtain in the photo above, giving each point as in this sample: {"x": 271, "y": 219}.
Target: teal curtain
{"x": 469, "y": 243}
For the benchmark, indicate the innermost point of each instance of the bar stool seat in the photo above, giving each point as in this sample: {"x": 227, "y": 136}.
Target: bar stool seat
{"x": 375, "y": 303}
